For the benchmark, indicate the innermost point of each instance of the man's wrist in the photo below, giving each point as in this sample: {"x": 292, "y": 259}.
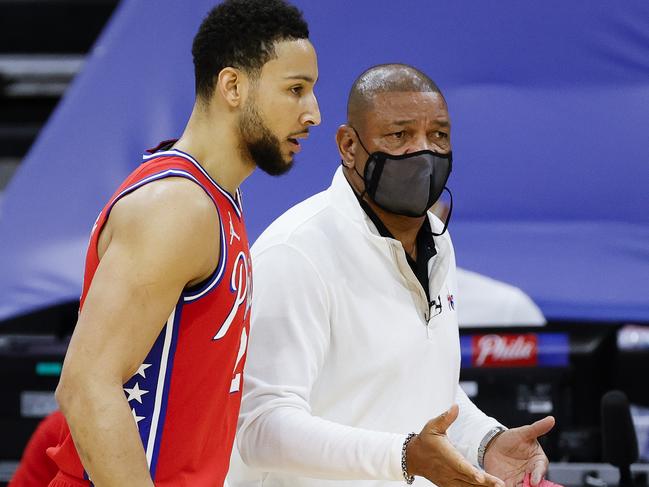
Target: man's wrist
{"x": 404, "y": 462}
{"x": 491, "y": 435}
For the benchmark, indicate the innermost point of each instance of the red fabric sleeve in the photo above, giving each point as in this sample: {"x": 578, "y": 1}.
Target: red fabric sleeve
{"x": 36, "y": 469}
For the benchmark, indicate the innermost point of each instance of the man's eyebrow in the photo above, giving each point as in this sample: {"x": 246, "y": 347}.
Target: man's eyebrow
{"x": 441, "y": 123}
{"x": 302, "y": 77}
{"x": 402, "y": 122}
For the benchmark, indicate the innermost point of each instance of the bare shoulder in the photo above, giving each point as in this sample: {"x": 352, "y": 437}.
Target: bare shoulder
{"x": 173, "y": 198}
{"x": 168, "y": 220}
{"x": 171, "y": 205}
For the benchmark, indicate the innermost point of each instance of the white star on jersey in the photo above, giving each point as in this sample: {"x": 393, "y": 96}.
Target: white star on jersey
{"x": 142, "y": 368}
{"x": 136, "y": 417}
{"x": 135, "y": 393}
{"x": 233, "y": 234}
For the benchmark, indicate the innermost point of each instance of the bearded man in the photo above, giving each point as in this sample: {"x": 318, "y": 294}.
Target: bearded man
{"x": 151, "y": 383}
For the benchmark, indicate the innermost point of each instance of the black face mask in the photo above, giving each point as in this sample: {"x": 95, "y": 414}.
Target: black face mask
{"x": 408, "y": 184}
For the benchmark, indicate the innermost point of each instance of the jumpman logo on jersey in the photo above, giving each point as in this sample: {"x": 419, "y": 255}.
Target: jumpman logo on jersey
{"x": 233, "y": 234}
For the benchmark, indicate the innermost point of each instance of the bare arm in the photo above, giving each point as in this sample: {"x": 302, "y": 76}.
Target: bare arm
{"x": 142, "y": 272}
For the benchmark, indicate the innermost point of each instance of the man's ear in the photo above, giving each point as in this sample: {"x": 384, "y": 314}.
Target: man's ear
{"x": 346, "y": 145}
{"x": 232, "y": 84}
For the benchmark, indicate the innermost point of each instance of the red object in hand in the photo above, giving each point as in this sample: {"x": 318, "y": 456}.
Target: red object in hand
{"x": 542, "y": 483}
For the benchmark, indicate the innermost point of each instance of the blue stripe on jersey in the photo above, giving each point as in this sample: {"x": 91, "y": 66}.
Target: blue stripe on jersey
{"x": 87, "y": 477}
{"x": 239, "y": 197}
{"x": 184, "y": 155}
{"x": 217, "y": 275}
{"x": 175, "y": 324}
{"x": 147, "y": 391}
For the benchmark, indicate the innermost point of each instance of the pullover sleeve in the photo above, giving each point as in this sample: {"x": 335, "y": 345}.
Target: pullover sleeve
{"x": 289, "y": 341}
{"x": 470, "y": 427}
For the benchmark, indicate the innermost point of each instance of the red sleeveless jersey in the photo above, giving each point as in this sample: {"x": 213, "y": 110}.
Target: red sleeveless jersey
{"x": 185, "y": 396}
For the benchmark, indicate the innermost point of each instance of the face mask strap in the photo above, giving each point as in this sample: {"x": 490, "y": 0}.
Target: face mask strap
{"x": 376, "y": 174}
{"x": 359, "y": 140}
{"x": 448, "y": 218}
{"x": 342, "y": 163}
{"x": 364, "y": 185}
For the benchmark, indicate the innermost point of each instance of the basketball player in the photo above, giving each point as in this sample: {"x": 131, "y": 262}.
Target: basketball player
{"x": 151, "y": 383}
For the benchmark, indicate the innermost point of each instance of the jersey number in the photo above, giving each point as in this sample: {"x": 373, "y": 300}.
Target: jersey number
{"x": 235, "y": 385}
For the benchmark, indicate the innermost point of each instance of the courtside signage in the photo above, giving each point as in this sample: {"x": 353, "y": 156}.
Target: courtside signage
{"x": 515, "y": 350}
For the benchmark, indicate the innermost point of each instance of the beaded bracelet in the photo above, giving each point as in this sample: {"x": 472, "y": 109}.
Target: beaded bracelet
{"x": 408, "y": 478}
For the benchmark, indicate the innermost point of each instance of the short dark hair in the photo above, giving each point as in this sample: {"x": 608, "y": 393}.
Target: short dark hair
{"x": 385, "y": 78}
{"x": 241, "y": 34}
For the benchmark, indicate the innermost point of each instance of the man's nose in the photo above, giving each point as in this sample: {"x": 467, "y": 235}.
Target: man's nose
{"x": 311, "y": 115}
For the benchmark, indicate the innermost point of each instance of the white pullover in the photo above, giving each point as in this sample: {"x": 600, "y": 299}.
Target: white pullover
{"x": 346, "y": 356}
